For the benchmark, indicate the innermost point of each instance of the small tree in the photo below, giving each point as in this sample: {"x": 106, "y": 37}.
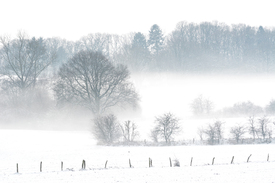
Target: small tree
{"x": 219, "y": 130}
{"x": 155, "y": 135}
{"x": 237, "y": 132}
{"x": 252, "y": 130}
{"x": 201, "y": 106}
{"x": 214, "y": 132}
{"x": 210, "y": 132}
{"x": 129, "y": 131}
{"x": 264, "y": 128}
{"x": 106, "y": 129}
{"x": 201, "y": 133}
{"x": 166, "y": 127}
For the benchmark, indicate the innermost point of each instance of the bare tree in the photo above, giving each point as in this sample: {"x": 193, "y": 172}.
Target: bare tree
{"x": 167, "y": 126}
{"x": 201, "y": 106}
{"x": 214, "y": 132}
{"x": 210, "y": 132}
{"x": 129, "y": 131}
{"x": 237, "y": 132}
{"x": 201, "y": 133}
{"x": 90, "y": 80}
{"x": 208, "y": 106}
{"x": 155, "y": 135}
{"x": 263, "y": 127}
{"x": 106, "y": 129}
{"x": 23, "y": 60}
{"x": 219, "y": 130}
{"x": 252, "y": 130}
{"x": 197, "y": 105}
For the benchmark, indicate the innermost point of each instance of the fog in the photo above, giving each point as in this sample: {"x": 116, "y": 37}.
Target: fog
{"x": 164, "y": 92}
{"x": 174, "y": 92}
{"x": 159, "y": 92}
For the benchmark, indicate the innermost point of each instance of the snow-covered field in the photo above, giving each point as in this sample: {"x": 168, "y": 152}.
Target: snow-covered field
{"x": 29, "y": 148}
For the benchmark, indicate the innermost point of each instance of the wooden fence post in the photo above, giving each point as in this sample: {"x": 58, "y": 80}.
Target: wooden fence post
{"x": 170, "y": 162}
{"x": 17, "y": 169}
{"x": 213, "y": 161}
{"x": 41, "y": 166}
{"x": 61, "y": 165}
{"x": 191, "y": 161}
{"x": 232, "y": 161}
{"x": 106, "y": 164}
{"x": 83, "y": 164}
{"x": 130, "y": 163}
{"x": 248, "y": 158}
{"x": 150, "y": 162}
{"x": 267, "y": 157}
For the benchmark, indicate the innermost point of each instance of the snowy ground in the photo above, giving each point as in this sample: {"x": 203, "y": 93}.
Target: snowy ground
{"x": 29, "y": 148}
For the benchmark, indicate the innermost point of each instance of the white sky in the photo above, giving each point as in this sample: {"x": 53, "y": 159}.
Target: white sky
{"x": 72, "y": 19}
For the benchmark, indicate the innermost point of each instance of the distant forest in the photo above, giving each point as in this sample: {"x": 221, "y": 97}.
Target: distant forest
{"x": 195, "y": 48}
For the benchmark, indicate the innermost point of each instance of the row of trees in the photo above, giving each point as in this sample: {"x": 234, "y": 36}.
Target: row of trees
{"x": 204, "y": 47}
{"x": 108, "y": 130}
{"x": 260, "y": 129}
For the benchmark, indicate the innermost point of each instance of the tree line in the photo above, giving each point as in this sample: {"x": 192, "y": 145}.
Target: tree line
{"x": 204, "y": 107}
{"x": 190, "y": 47}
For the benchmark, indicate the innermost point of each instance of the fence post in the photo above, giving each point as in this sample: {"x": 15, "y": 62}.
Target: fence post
{"x": 106, "y": 164}
{"x": 213, "y": 161}
{"x": 41, "y": 166}
{"x": 17, "y": 169}
{"x": 83, "y": 165}
{"x": 130, "y": 163}
{"x": 170, "y": 162}
{"x": 232, "y": 160}
{"x": 191, "y": 161}
{"x": 267, "y": 157}
{"x": 61, "y": 165}
{"x": 150, "y": 162}
{"x": 248, "y": 158}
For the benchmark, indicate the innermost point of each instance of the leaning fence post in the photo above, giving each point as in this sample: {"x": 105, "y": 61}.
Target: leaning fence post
{"x": 213, "y": 161}
{"x": 232, "y": 161}
{"x": 191, "y": 161}
{"x": 248, "y": 158}
{"x": 106, "y": 164}
{"x": 170, "y": 162}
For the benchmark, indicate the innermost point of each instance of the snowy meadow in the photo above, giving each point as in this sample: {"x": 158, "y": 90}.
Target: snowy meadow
{"x": 53, "y": 147}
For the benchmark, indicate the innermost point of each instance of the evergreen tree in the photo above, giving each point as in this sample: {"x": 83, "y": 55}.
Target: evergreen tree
{"x": 139, "y": 52}
{"x": 155, "y": 39}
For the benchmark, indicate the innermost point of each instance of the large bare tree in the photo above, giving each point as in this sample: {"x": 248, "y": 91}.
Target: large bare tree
{"x": 23, "y": 60}
{"x": 91, "y": 80}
